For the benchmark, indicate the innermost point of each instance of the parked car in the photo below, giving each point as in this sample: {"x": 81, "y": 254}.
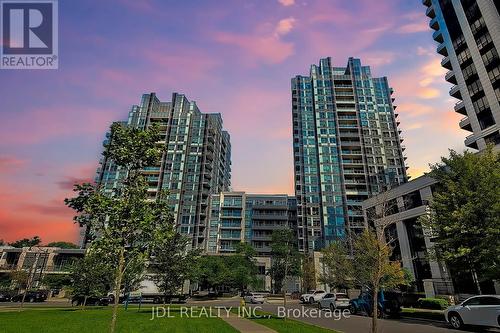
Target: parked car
{"x": 31, "y": 296}
{"x": 312, "y": 297}
{"x": 388, "y": 303}
{"x": 254, "y": 298}
{"x": 334, "y": 301}
{"x": 92, "y": 300}
{"x": 481, "y": 310}
{"x": 5, "y": 296}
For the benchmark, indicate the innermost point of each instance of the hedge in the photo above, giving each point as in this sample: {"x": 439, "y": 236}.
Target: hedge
{"x": 432, "y": 303}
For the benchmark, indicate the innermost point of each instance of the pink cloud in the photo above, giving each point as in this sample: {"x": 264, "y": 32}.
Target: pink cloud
{"x": 267, "y": 49}
{"x": 285, "y": 26}
{"x": 287, "y": 3}
{"x": 11, "y": 163}
{"x": 40, "y": 124}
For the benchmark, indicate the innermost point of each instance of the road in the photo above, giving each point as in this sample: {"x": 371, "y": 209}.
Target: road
{"x": 351, "y": 324}
{"x": 356, "y": 324}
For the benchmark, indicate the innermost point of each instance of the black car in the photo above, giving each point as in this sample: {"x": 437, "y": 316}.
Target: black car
{"x": 5, "y": 296}
{"x": 31, "y": 296}
{"x": 92, "y": 300}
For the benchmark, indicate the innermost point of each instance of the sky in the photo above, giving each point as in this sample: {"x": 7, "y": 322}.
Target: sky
{"x": 232, "y": 57}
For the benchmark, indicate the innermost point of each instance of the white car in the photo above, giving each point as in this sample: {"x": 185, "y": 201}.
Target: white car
{"x": 254, "y": 298}
{"x": 334, "y": 301}
{"x": 483, "y": 310}
{"x": 312, "y": 297}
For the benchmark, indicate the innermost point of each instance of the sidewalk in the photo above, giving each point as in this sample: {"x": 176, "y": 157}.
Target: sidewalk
{"x": 245, "y": 325}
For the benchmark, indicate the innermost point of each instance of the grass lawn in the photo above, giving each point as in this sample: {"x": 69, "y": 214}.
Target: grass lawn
{"x": 282, "y": 325}
{"x": 423, "y": 314}
{"x": 96, "y": 320}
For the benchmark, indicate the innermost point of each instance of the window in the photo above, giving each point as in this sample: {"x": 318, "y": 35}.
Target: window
{"x": 472, "y": 301}
{"x": 489, "y": 300}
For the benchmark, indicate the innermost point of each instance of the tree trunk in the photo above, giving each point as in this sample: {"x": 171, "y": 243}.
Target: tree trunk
{"x": 118, "y": 282}
{"x": 375, "y": 309}
{"x": 476, "y": 281}
{"x": 84, "y": 302}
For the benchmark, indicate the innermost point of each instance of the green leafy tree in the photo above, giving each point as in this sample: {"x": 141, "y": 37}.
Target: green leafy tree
{"x": 465, "y": 213}
{"x": 212, "y": 272}
{"x": 285, "y": 259}
{"x": 56, "y": 281}
{"x": 2, "y": 243}
{"x": 26, "y": 242}
{"x": 242, "y": 266}
{"x": 90, "y": 276}
{"x": 172, "y": 263}
{"x": 337, "y": 266}
{"x": 63, "y": 245}
{"x": 127, "y": 223}
{"x": 369, "y": 267}
{"x": 20, "y": 278}
{"x": 308, "y": 274}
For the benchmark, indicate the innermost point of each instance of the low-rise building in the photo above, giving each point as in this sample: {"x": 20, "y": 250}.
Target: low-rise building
{"x": 38, "y": 261}
{"x": 396, "y": 215}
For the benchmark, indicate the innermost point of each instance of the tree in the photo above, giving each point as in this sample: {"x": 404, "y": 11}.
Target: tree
{"x": 56, "y": 281}
{"x": 370, "y": 266}
{"x": 26, "y": 242}
{"x": 464, "y": 213}
{"x": 126, "y": 223}
{"x": 308, "y": 274}
{"x": 285, "y": 259}
{"x": 2, "y": 243}
{"x": 20, "y": 278}
{"x": 63, "y": 245}
{"x": 172, "y": 263}
{"x": 90, "y": 276}
{"x": 212, "y": 272}
{"x": 242, "y": 267}
{"x": 337, "y": 266}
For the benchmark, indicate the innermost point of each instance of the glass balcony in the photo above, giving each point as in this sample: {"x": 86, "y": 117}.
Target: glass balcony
{"x": 446, "y": 63}
{"x": 455, "y": 92}
{"x": 430, "y": 12}
{"x": 438, "y": 36}
{"x": 450, "y": 77}
{"x": 433, "y": 24}
{"x": 442, "y": 50}
{"x": 460, "y": 108}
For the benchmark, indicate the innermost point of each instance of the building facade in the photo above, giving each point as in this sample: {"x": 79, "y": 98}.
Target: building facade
{"x": 395, "y": 215}
{"x": 195, "y": 165}
{"x": 38, "y": 262}
{"x": 468, "y": 33}
{"x": 237, "y": 217}
{"x": 346, "y": 147}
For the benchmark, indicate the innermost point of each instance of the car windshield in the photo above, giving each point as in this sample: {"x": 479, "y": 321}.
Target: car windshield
{"x": 342, "y": 296}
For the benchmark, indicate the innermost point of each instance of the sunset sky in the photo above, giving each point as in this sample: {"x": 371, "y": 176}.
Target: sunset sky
{"x": 232, "y": 57}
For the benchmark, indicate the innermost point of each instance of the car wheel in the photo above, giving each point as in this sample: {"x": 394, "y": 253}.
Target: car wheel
{"x": 455, "y": 321}
{"x": 352, "y": 309}
{"x": 332, "y": 307}
{"x": 311, "y": 300}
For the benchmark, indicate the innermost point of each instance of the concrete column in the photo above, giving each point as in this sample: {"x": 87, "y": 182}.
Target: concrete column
{"x": 429, "y": 288}
{"x": 404, "y": 246}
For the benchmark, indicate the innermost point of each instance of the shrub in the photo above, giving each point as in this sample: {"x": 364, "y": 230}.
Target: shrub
{"x": 432, "y": 303}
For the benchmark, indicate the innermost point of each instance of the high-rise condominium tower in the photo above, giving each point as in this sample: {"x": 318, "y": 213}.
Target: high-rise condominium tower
{"x": 346, "y": 147}
{"x": 196, "y": 164}
{"x": 468, "y": 33}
